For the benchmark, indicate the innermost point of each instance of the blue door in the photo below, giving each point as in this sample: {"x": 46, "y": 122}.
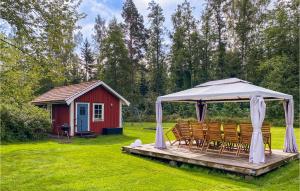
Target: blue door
{"x": 82, "y": 117}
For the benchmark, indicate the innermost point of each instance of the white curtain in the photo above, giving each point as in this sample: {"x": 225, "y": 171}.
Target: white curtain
{"x": 197, "y": 112}
{"x": 290, "y": 144}
{"x": 159, "y": 139}
{"x": 201, "y": 109}
{"x": 258, "y": 110}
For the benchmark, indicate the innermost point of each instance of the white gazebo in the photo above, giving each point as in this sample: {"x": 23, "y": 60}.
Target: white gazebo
{"x": 233, "y": 90}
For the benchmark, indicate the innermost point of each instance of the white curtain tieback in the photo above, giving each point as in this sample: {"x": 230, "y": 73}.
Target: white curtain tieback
{"x": 257, "y": 131}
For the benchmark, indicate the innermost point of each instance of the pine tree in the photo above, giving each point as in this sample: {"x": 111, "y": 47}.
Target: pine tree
{"x": 279, "y": 70}
{"x": 219, "y": 27}
{"x": 181, "y": 59}
{"x": 206, "y": 44}
{"x": 100, "y": 32}
{"x": 143, "y": 85}
{"x": 155, "y": 53}
{"x": 88, "y": 59}
{"x": 98, "y": 36}
{"x": 244, "y": 19}
{"x": 135, "y": 40}
{"x": 76, "y": 74}
{"x": 114, "y": 56}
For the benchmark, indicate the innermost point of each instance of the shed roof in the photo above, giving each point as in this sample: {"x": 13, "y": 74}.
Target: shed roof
{"x": 231, "y": 89}
{"x": 67, "y": 94}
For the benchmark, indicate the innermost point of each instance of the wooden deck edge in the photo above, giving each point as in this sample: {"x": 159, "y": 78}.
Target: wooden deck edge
{"x": 226, "y": 167}
{"x": 278, "y": 164}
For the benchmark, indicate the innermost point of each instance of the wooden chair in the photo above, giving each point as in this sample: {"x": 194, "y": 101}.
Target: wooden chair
{"x": 198, "y": 134}
{"x": 245, "y": 137}
{"x": 266, "y": 132}
{"x": 176, "y": 134}
{"x": 214, "y": 135}
{"x": 184, "y": 132}
{"x": 231, "y": 142}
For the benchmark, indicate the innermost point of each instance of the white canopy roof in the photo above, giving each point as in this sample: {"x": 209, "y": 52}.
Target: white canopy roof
{"x": 231, "y": 89}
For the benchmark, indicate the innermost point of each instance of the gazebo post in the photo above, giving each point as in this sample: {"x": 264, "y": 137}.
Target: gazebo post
{"x": 258, "y": 110}
{"x": 159, "y": 139}
{"x": 290, "y": 145}
{"x": 201, "y": 108}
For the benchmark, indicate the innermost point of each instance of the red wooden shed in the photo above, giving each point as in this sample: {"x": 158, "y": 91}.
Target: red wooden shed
{"x": 85, "y": 107}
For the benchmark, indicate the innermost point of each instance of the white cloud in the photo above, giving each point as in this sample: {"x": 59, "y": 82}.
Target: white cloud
{"x": 93, "y": 7}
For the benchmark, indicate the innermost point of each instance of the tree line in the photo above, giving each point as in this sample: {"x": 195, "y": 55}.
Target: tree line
{"x": 255, "y": 40}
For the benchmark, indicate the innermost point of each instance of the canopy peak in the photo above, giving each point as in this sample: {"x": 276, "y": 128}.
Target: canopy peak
{"x": 224, "y": 81}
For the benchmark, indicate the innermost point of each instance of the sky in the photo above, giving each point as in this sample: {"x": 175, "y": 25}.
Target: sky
{"x": 113, "y": 8}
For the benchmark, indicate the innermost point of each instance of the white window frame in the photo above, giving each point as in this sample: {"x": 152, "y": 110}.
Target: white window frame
{"x": 96, "y": 119}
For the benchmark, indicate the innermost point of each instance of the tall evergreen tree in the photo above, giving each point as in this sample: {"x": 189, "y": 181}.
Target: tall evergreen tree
{"x": 155, "y": 52}
{"x": 135, "y": 35}
{"x": 279, "y": 70}
{"x": 181, "y": 59}
{"x": 100, "y": 32}
{"x": 216, "y": 8}
{"x": 244, "y": 18}
{"x": 88, "y": 59}
{"x": 206, "y": 44}
{"x": 114, "y": 56}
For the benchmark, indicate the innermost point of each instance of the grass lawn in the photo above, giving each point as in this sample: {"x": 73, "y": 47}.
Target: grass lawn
{"x": 99, "y": 164}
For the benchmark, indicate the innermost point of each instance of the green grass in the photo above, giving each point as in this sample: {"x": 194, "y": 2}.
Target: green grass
{"x": 99, "y": 164}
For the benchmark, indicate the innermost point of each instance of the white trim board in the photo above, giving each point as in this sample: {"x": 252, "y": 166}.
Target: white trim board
{"x": 72, "y": 127}
{"x": 120, "y": 113}
{"x": 88, "y": 114}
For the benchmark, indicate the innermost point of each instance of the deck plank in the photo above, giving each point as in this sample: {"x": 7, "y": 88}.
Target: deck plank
{"x": 237, "y": 164}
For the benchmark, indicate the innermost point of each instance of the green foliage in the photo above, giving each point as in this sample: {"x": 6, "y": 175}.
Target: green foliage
{"x": 114, "y": 57}
{"x": 100, "y": 32}
{"x": 88, "y": 59}
{"x": 155, "y": 52}
{"x": 135, "y": 38}
{"x": 41, "y": 44}
{"x": 25, "y": 122}
{"x": 182, "y": 62}
{"x": 17, "y": 86}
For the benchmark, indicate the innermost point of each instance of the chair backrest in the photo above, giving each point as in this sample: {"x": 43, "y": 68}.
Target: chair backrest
{"x": 184, "y": 129}
{"x": 246, "y": 128}
{"x": 246, "y": 132}
{"x": 197, "y": 130}
{"x": 176, "y": 132}
{"x": 230, "y": 132}
{"x": 204, "y": 125}
{"x": 266, "y": 128}
{"x": 214, "y": 131}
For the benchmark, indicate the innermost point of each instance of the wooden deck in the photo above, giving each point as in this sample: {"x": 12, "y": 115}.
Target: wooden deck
{"x": 230, "y": 163}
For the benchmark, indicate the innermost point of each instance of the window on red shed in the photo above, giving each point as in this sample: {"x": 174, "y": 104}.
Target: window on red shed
{"x": 98, "y": 111}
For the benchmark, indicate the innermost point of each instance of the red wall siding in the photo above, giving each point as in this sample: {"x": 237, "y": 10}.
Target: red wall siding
{"x": 111, "y": 108}
{"x": 60, "y": 115}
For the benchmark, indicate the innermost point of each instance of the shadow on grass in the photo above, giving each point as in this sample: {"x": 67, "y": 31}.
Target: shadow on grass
{"x": 15, "y": 142}
{"x": 99, "y": 140}
{"x": 218, "y": 174}
{"x": 103, "y": 140}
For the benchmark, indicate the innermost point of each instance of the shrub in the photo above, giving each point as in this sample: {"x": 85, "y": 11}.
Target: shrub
{"x": 25, "y": 122}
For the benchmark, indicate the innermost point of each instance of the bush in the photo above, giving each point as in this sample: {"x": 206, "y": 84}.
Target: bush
{"x": 25, "y": 122}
